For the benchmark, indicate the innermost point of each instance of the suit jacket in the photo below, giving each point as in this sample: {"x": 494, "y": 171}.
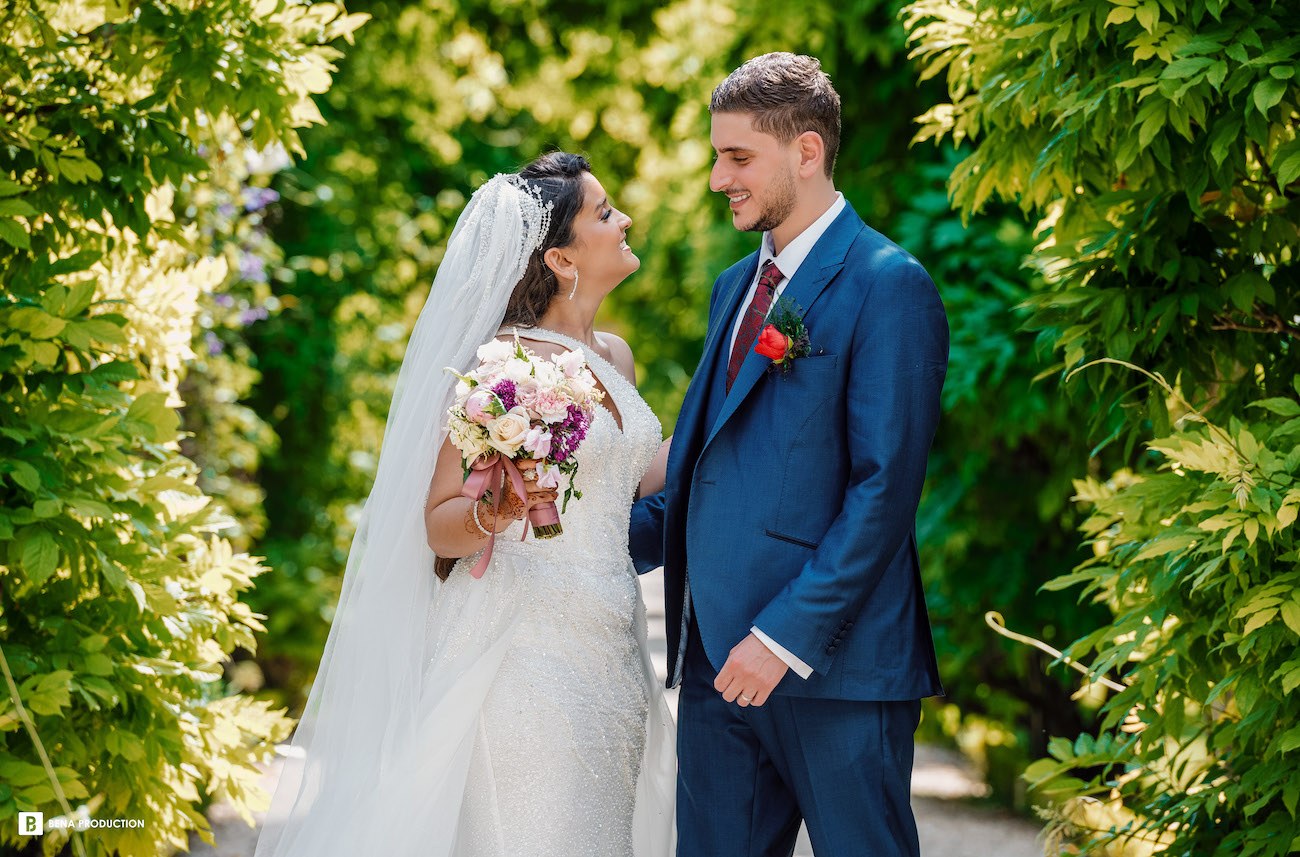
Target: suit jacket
{"x": 791, "y": 502}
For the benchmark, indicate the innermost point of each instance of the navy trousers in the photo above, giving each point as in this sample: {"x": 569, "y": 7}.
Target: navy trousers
{"x": 749, "y": 775}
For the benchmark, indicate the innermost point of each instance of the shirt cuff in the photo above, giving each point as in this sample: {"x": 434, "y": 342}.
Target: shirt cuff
{"x": 800, "y": 668}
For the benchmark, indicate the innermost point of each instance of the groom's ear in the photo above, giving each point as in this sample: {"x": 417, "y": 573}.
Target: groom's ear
{"x": 560, "y": 262}
{"x": 812, "y": 153}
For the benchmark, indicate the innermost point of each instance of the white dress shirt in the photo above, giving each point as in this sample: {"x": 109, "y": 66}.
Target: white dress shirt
{"x": 787, "y": 262}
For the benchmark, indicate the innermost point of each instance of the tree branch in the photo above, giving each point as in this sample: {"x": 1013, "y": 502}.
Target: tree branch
{"x": 1271, "y": 323}
{"x": 1268, "y": 174}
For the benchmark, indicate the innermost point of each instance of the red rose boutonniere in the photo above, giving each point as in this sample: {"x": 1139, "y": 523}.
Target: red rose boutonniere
{"x": 784, "y": 338}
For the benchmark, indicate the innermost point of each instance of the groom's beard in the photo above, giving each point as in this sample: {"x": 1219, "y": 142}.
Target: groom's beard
{"x": 779, "y": 208}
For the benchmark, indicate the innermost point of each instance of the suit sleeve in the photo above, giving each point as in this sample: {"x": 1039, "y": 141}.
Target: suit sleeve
{"x": 898, "y": 360}
{"x": 646, "y": 533}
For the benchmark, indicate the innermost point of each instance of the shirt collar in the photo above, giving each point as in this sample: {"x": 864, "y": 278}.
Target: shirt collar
{"x": 789, "y": 260}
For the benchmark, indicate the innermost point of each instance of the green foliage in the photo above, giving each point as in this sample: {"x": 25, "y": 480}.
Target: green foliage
{"x": 119, "y": 598}
{"x": 1197, "y": 563}
{"x": 1157, "y": 141}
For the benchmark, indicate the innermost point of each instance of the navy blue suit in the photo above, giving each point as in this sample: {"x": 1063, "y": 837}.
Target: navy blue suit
{"x": 790, "y": 505}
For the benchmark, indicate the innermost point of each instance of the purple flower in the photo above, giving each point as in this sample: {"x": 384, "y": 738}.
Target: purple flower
{"x": 249, "y": 316}
{"x": 569, "y": 434}
{"x": 252, "y": 268}
{"x": 505, "y": 390}
{"x": 214, "y": 345}
{"x": 226, "y": 210}
{"x": 257, "y": 198}
{"x": 224, "y": 300}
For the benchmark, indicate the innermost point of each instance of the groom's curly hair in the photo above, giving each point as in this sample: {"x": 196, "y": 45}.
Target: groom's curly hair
{"x": 559, "y": 177}
{"x": 786, "y": 95}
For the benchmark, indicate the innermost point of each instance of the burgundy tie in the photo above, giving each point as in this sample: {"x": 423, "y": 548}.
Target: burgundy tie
{"x": 753, "y": 319}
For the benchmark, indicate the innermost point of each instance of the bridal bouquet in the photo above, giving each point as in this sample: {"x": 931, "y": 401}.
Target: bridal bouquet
{"x": 517, "y": 411}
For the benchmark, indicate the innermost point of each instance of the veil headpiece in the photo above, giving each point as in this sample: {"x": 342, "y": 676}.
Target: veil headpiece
{"x": 363, "y": 707}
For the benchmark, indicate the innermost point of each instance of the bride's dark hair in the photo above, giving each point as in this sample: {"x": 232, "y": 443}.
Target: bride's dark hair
{"x": 559, "y": 177}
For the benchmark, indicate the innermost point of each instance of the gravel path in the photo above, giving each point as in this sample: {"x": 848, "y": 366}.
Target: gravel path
{"x": 942, "y": 786}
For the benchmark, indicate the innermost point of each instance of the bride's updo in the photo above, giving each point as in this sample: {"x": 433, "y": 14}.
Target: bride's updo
{"x": 559, "y": 177}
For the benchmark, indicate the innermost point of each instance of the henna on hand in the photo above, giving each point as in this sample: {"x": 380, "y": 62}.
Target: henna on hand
{"x": 512, "y": 506}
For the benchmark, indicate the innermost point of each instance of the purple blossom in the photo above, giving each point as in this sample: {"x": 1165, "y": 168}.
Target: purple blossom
{"x": 252, "y": 268}
{"x": 224, "y": 300}
{"x": 505, "y": 390}
{"x": 214, "y": 345}
{"x": 576, "y": 420}
{"x": 568, "y": 434}
{"x": 249, "y": 316}
{"x": 257, "y": 198}
{"x": 226, "y": 210}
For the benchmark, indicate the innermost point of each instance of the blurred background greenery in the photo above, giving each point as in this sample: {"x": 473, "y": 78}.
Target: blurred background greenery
{"x": 436, "y": 97}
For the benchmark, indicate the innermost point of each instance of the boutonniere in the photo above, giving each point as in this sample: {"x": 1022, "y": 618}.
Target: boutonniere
{"x": 784, "y": 338}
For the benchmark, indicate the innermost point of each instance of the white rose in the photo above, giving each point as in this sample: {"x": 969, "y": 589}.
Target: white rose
{"x": 572, "y": 362}
{"x": 496, "y": 351}
{"x": 517, "y": 370}
{"x": 583, "y": 385}
{"x": 548, "y": 374}
{"x": 507, "y": 433}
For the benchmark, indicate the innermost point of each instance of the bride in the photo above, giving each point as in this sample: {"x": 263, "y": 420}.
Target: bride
{"x": 517, "y": 713}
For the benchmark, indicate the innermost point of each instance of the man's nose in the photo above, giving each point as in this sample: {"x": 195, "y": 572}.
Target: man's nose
{"x": 718, "y": 178}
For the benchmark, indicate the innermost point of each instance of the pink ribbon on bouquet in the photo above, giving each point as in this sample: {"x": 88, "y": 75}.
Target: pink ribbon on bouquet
{"x": 486, "y": 474}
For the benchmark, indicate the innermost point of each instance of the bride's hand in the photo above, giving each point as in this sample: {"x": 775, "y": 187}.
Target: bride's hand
{"x": 536, "y": 494}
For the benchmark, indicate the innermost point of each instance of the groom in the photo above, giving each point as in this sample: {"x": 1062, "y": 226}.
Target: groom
{"x": 796, "y": 621}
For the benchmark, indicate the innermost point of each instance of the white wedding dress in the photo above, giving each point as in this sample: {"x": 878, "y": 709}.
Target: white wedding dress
{"x": 572, "y": 750}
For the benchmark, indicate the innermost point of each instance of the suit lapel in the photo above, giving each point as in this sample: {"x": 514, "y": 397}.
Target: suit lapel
{"x": 719, "y": 345}
{"x": 702, "y": 402}
{"x": 822, "y": 264}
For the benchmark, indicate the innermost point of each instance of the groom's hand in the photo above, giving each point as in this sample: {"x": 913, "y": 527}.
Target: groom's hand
{"x": 751, "y": 672}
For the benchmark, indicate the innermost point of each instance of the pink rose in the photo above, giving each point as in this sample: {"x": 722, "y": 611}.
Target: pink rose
{"x": 526, "y": 392}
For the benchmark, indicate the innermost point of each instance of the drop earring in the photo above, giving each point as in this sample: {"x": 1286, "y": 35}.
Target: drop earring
{"x": 575, "y": 284}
